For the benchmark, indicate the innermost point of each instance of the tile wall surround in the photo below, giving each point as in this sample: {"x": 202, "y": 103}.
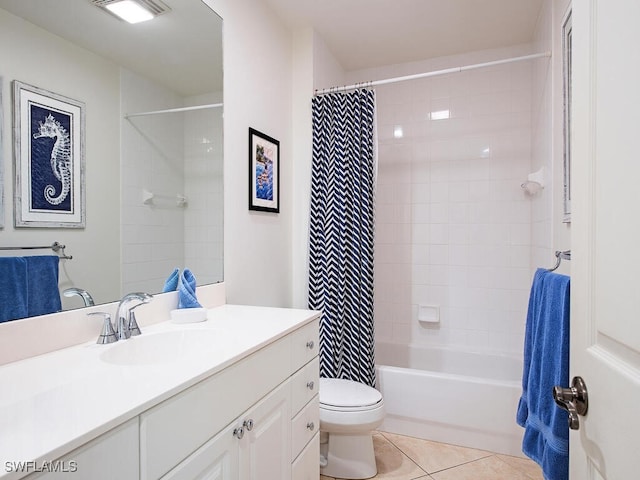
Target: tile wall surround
{"x": 170, "y": 154}
{"x": 453, "y": 225}
{"x": 152, "y": 159}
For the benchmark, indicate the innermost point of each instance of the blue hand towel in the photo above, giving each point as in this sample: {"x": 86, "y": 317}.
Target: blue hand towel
{"x": 13, "y": 288}
{"x": 171, "y": 285}
{"x": 44, "y": 294}
{"x": 29, "y": 286}
{"x": 187, "y": 290}
{"x": 546, "y": 363}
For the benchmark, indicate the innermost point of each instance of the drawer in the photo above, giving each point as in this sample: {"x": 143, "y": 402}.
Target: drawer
{"x": 307, "y": 465}
{"x": 304, "y": 385}
{"x": 304, "y": 344}
{"x": 175, "y": 428}
{"x": 304, "y": 426}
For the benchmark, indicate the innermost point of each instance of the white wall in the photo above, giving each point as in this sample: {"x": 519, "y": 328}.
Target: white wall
{"x": 314, "y": 67}
{"x": 549, "y": 233}
{"x": 257, "y": 93}
{"x": 31, "y": 55}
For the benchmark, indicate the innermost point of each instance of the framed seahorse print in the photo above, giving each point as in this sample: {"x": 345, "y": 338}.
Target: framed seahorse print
{"x": 49, "y": 158}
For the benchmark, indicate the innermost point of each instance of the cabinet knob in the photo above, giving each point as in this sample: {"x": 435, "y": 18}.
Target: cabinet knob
{"x": 310, "y": 385}
{"x": 248, "y": 424}
{"x": 310, "y": 344}
{"x": 238, "y": 432}
{"x": 310, "y": 426}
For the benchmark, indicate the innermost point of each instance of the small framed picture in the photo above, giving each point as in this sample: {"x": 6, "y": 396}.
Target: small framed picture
{"x": 264, "y": 172}
{"x": 49, "y": 158}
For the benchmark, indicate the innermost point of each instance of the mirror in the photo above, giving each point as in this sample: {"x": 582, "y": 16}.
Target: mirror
{"x": 152, "y": 93}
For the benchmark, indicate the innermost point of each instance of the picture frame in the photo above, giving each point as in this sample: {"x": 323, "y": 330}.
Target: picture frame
{"x": 2, "y": 144}
{"x": 264, "y": 172}
{"x": 49, "y": 158}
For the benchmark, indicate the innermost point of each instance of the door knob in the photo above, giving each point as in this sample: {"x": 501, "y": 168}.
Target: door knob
{"x": 573, "y": 399}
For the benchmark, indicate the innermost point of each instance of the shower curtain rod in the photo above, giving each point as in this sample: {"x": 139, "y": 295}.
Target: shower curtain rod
{"x": 430, "y": 74}
{"x": 174, "y": 110}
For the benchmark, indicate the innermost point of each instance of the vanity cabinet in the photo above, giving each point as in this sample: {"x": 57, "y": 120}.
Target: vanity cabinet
{"x": 256, "y": 418}
{"x": 251, "y": 421}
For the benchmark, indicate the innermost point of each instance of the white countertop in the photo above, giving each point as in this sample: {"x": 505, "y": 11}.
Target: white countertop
{"x": 53, "y": 403}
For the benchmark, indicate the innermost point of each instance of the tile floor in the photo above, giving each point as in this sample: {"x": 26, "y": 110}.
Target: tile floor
{"x": 406, "y": 458}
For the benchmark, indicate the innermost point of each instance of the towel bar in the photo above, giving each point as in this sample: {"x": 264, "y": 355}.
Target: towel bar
{"x": 55, "y": 246}
{"x": 566, "y": 255}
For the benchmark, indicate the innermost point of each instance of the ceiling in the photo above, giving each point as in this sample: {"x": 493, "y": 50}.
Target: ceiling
{"x": 179, "y": 49}
{"x": 372, "y": 33}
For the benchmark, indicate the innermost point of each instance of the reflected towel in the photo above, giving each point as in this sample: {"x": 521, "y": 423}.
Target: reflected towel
{"x": 29, "y": 286}
{"x": 187, "y": 290}
{"x": 546, "y": 363}
{"x": 171, "y": 285}
{"x": 13, "y": 288}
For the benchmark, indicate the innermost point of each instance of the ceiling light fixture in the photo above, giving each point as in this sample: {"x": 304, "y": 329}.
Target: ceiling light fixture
{"x": 130, "y": 11}
{"x": 133, "y": 11}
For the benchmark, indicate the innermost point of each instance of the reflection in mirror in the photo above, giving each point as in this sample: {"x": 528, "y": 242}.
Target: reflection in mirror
{"x": 154, "y": 179}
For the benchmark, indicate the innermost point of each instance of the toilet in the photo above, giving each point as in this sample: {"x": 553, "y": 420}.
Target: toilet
{"x": 349, "y": 412}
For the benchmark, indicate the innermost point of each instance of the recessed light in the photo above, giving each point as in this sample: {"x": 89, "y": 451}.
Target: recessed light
{"x": 440, "y": 115}
{"x": 129, "y": 11}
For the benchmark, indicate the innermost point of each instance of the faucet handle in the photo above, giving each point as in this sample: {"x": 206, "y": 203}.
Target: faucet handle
{"x": 134, "y": 329}
{"x": 107, "y": 335}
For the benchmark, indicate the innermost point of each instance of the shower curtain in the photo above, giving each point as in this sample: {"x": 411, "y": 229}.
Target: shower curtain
{"x": 341, "y": 232}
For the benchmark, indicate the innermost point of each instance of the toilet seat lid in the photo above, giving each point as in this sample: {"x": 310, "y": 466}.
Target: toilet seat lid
{"x": 339, "y": 392}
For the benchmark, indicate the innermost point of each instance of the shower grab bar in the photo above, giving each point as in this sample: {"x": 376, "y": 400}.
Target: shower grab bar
{"x": 55, "y": 246}
{"x": 565, "y": 255}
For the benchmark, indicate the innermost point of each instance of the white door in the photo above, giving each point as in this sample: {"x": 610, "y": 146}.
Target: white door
{"x": 605, "y": 270}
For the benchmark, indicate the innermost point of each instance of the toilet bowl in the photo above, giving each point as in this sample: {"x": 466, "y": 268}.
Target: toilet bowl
{"x": 349, "y": 412}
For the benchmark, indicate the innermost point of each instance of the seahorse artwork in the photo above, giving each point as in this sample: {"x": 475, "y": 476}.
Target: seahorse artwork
{"x": 60, "y": 158}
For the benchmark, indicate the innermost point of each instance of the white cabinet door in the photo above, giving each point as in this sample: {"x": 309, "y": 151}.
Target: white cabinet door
{"x": 215, "y": 460}
{"x": 265, "y": 449}
{"x": 112, "y": 455}
{"x": 605, "y": 332}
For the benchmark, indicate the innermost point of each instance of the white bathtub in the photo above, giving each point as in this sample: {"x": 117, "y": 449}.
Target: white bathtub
{"x": 451, "y": 396}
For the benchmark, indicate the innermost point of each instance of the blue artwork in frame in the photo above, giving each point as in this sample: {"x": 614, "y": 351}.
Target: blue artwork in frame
{"x": 49, "y": 159}
{"x": 264, "y": 172}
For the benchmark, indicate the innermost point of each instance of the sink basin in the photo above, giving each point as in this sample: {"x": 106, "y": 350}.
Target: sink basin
{"x": 167, "y": 347}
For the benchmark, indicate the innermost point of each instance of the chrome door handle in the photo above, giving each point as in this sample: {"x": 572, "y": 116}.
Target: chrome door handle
{"x": 574, "y": 399}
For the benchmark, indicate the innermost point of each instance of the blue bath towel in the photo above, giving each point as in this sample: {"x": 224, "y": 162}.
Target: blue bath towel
{"x": 29, "y": 286}
{"x": 187, "y": 290}
{"x": 546, "y": 363}
{"x": 171, "y": 285}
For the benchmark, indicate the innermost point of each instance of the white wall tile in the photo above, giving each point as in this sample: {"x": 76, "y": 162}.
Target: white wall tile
{"x": 456, "y": 184}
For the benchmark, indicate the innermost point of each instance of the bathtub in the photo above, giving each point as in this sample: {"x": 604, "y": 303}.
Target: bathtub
{"x": 451, "y": 396}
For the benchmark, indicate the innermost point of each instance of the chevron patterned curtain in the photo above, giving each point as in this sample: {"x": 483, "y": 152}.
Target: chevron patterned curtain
{"x": 341, "y": 230}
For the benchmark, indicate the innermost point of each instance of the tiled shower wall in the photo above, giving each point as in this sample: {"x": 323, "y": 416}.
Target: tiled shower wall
{"x": 453, "y": 225}
{"x": 169, "y": 155}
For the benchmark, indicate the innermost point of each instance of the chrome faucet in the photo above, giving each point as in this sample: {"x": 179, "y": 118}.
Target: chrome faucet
{"x": 126, "y": 324}
{"x": 86, "y": 297}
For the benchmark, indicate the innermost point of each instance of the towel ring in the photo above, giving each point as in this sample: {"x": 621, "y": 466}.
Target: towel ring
{"x": 566, "y": 255}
